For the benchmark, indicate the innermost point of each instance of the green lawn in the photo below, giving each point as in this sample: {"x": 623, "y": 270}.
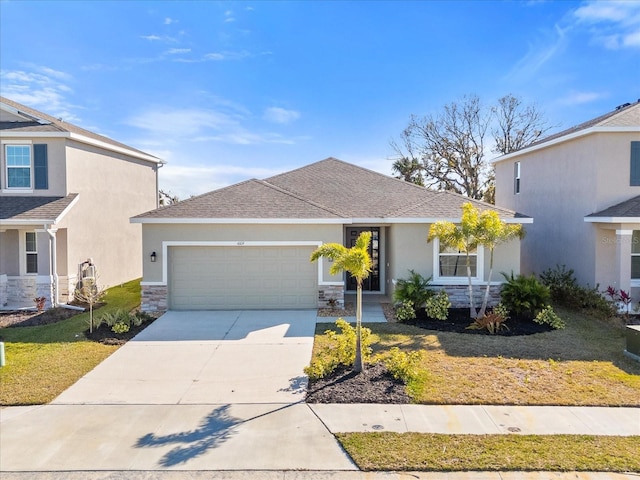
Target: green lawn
{"x": 41, "y": 362}
{"x": 583, "y": 364}
{"x": 431, "y": 452}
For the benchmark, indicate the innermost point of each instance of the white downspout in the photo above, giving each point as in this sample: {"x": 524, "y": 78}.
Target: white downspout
{"x": 54, "y": 264}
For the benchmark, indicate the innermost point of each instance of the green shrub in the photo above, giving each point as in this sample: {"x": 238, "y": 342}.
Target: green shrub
{"x": 405, "y": 367}
{"x": 438, "y": 306}
{"x": 501, "y": 310}
{"x": 340, "y": 349}
{"x": 547, "y": 316}
{"x": 404, "y": 311}
{"x": 112, "y": 318}
{"x": 562, "y": 284}
{"x": 414, "y": 289}
{"x": 524, "y": 295}
{"x": 120, "y": 327}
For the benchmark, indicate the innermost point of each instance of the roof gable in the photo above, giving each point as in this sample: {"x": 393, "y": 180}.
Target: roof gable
{"x": 627, "y": 209}
{"x": 623, "y": 119}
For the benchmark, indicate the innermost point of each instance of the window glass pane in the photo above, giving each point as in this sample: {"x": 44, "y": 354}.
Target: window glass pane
{"x": 454, "y": 250}
{"x": 456, "y": 266}
{"x": 635, "y": 267}
{"x": 18, "y": 156}
{"x": 19, "y": 178}
{"x": 31, "y": 245}
{"x": 32, "y": 263}
{"x": 635, "y": 242}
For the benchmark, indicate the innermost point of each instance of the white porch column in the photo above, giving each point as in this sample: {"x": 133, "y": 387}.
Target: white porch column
{"x": 623, "y": 259}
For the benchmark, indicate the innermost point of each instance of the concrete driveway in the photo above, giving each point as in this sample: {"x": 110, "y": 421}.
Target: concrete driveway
{"x": 194, "y": 391}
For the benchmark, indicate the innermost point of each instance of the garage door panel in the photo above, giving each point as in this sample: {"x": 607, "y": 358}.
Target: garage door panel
{"x": 242, "y": 278}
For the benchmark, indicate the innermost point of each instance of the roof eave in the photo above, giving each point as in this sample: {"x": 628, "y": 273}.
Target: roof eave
{"x": 310, "y": 221}
{"x": 86, "y": 140}
{"x": 612, "y": 219}
{"x": 566, "y": 138}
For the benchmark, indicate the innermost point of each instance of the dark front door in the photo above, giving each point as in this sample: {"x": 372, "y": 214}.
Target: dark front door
{"x": 371, "y": 284}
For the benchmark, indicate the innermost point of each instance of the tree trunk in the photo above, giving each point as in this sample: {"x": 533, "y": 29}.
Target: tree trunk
{"x": 472, "y": 306}
{"x": 358, "y": 365}
{"x": 483, "y": 309}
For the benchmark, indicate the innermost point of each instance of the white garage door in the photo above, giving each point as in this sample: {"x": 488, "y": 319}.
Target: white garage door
{"x": 229, "y": 278}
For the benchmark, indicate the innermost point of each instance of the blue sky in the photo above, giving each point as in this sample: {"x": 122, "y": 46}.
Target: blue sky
{"x": 226, "y": 91}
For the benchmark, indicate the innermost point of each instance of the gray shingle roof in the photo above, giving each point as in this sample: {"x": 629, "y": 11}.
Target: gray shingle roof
{"x": 55, "y": 125}
{"x": 623, "y": 116}
{"x": 33, "y": 208}
{"x": 629, "y": 208}
{"x": 328, "y": 189}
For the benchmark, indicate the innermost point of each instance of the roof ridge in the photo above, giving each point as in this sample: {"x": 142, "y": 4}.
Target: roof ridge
{"x": 301, "y": 198}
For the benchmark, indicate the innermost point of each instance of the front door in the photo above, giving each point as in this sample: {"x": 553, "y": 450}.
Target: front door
{"x": 372, "y": 283}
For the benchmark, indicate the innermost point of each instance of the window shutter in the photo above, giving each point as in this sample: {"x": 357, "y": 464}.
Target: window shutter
{"x": 40, "y": 164}
{"x": 635, "y": 164}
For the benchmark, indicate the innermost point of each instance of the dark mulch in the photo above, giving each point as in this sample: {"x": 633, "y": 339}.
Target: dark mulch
{"x": 32, "y": 318}
{"x": 104, "y": 334}
{"x": 374, "y": 385}
{"x": 459, "y": 319}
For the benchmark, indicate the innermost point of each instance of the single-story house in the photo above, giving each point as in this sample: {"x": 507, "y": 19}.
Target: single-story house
{"x": 248, "y": 245}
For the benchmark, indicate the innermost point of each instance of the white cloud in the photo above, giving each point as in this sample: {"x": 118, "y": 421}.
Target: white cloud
{"x": 226, "y": 55}
{"x": 180, "y": 123}
{"x": 540, "y": 53}
{"x": 579, "y": 98}
{"x": 43, "y": 91}
{"x": 177, "y": 51}
{"x": 614, "y": 24}
{"x": 280, "y": 115}
{"x": 169, "y": 21}
{"x": 151, "y": 38}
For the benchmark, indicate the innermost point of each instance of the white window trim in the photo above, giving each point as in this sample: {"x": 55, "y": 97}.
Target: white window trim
{"x": 441, "y": 280}
{"x": 517, "y": 184}
{"x": 5, "y": 170}
{"x": 635, "y": 282}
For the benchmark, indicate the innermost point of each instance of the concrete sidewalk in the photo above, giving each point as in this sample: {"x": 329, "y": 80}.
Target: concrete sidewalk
{"x": 316, "y": 475}
{"x": 479, "y": 419}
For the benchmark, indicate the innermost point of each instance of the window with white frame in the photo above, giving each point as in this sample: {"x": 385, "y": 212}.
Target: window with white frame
{"x": 635, "y": 255}
{"x": 31, "y": 251}
{"x": 516, "y": 177}
{"x": 18, "y": 166}
{"x": 451, "y": 264}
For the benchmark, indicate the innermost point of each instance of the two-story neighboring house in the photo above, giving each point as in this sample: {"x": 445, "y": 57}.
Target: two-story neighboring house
{"x": 66, "y": 196}
{"x": 582, "y": 186}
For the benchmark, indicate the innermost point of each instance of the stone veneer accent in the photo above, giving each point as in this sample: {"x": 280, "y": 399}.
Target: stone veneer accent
{"x": 154, "y": 298}
{"x": 459, "y": 294}
{"x": 328, "y": 292}
{"x": 22, "y": 291}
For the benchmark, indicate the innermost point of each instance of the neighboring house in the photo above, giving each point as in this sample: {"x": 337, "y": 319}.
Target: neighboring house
{"x": 66, "y": 196}
{"x": 582, "y": 186}
{"x": 248, "y": 245}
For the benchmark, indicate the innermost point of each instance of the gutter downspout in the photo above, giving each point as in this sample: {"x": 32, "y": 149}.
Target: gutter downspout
{"x": 54, "y": 263}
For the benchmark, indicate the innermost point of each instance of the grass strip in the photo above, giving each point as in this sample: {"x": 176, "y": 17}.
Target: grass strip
{"x": 43, "y": 361}
{"x": 387, "y": 451}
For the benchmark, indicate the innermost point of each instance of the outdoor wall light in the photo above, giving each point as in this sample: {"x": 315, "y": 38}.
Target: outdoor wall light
{"x": 153, "y": 256}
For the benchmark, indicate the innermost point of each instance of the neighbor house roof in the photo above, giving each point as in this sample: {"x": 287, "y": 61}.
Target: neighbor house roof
{"x": 627, "y": 211}
{"x": 624, "y": 118}
{"x": 44, "y": 125}
{"x": 34, "y": 210}
{"x": 329, "y": 191}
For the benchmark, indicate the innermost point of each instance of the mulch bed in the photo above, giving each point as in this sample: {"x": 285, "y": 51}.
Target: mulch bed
{"x": 374, "y": 385}
{"x": 459, "y": 319}
{"x": 33, "y": 318}
{"x": 105, "y": 335}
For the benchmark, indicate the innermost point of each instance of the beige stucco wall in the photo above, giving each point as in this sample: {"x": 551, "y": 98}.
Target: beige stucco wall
{"x": 55, "y": 164}
{"x": 155, "y": 234}
{"x": 9, "y": 264}
{"x": 560, "y": 185}
{"x": 112, "y": 188}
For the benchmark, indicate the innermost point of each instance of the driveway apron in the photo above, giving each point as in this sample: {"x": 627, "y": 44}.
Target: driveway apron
{"x": 219, "y": 390}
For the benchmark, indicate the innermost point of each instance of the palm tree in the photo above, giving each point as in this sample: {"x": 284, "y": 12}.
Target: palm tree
{"x": 357, "y": 262}
{"x": 461, "y": 237}
{"x": 492, "y": 231}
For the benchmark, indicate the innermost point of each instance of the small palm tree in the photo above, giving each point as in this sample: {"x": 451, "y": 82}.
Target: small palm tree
{"x": 356, "y": 261}
{"x": 491, "y": 232}
{"x": 462, "y": 237}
